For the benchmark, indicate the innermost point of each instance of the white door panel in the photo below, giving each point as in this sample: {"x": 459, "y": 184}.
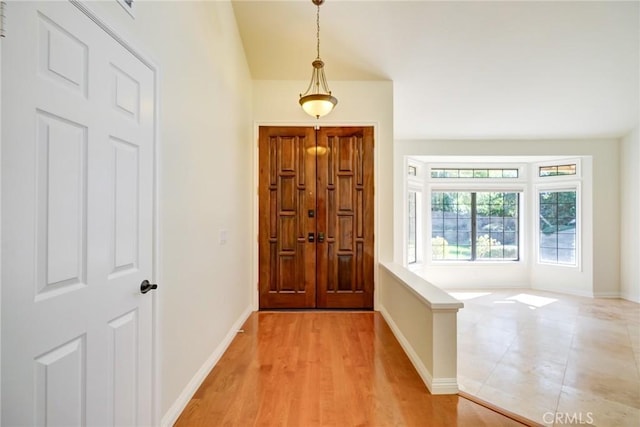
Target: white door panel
{"x": 77, "y": 185}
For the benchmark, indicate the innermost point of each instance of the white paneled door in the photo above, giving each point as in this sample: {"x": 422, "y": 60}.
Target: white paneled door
{"x": 77, "y": 222}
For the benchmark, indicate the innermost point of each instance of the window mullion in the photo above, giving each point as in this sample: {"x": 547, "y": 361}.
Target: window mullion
{"x": 518, "y": 228}
{"x": 473, "y": 226}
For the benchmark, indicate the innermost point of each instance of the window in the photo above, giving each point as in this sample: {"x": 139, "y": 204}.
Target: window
{"x": 414, "y": 218}
{"x": 412, "y": 249}
{"x": 558, "y": 217}
{"x": 474, "y": 173}
{"x": 474, "y": 226}
{"x": 557, "y": 170}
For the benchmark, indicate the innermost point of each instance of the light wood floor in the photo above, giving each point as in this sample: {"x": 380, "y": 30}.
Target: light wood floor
{"x": 323, "y": 368}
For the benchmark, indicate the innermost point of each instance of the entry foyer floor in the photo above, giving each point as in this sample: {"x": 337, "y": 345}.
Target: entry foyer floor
{"x": 550, "y": 357}
{"x": 305, "y": 369}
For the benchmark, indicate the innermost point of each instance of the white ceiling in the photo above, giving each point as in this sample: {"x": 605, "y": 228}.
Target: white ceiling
{"x": 476, "y": 69}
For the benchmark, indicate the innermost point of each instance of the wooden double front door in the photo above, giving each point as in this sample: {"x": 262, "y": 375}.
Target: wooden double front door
{"x": 316, "y": 217}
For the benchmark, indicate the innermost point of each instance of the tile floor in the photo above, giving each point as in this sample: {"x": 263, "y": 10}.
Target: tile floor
{"x": 552, "y": 358}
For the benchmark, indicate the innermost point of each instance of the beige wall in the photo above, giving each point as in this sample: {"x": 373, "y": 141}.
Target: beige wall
{"x": 629, "y": 224}
{"x": 204, "y": 176}
{"x": 600, "y": 272}
{"x": 359, "y": 103}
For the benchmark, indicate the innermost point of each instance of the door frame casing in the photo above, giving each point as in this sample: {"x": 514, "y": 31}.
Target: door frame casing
{"x": 255, "y": 273}
{"x": 1, "y": 290}
{"x": 84, "y": 7}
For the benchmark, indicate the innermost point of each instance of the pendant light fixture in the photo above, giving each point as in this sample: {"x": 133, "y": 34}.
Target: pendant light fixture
{"x": 317, "y": 101}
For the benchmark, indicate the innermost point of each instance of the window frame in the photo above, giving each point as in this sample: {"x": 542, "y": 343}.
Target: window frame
{"x": 557, "y": 168}
{"x": 549, "y": 179}
{"x": 559, "y": 186}
{"x": 520, "y": 191}
{"x": 414, "y": 183}
{"x": 474, "y": 171}
{"x": 417, "y": 229}
{"x": 510, "y": 185}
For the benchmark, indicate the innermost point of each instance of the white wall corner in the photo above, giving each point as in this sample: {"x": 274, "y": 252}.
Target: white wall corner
{"x": 171, "y": 416}
{"x": 629, "y": 206}
{"x": 630, "y": 296}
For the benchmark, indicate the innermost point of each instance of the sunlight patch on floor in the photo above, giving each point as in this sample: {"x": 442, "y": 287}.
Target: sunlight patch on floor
{"x": 463, "y": 296}
{"x": 533, "y": 301}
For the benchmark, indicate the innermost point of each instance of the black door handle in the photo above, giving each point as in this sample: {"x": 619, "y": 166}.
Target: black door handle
{"x": 320, "y": 237}
{"x": 145, "y": 286}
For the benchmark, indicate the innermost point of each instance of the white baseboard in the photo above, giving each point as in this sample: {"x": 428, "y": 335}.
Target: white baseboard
{"x": 481, "y": 286}
{"x": 567, "y": 291}
{"x": 606, "y": 295}
{"x": 171, "y": 416}
{"x": 633, "y": 297}
{"x": 435, "y": 386}
{"x": 444, "y": 386}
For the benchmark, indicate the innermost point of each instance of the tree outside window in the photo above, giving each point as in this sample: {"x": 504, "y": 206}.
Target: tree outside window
{"x": 474, "y": 226}
{"x": 558, "y": 218}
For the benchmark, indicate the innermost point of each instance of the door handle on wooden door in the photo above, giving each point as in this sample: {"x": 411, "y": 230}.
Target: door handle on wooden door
{"x": 320, "y": 237}
{"x": 145, "y": 286}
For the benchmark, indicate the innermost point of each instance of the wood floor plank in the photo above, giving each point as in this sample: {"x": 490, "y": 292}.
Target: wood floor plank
{"x": 323, "y": 369}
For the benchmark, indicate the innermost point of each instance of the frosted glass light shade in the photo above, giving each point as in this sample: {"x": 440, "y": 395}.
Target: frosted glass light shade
{"x": 318, "y": 104}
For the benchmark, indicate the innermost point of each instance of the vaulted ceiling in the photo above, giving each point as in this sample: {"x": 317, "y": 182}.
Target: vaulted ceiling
{"x": 475, "y": 69}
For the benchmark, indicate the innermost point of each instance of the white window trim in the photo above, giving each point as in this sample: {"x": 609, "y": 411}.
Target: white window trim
{"x": 419, "y": 227}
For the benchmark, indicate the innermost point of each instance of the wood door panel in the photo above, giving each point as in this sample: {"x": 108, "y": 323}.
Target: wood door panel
{"x": 328, "y": 172}
{"x": 344, "y": 233}
{"x": 344, "y": 193}
{"x": 286, "y": 193}
{"x": 345, "y": 215}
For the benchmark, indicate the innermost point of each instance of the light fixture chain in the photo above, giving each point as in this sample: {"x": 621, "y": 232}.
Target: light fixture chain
{"x": 318, "y": 31}
{"x": 314, "y": 101}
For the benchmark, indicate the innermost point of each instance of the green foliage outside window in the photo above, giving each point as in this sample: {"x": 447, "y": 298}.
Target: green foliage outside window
{"x": 474, "y": 225}
{"x": 558, "y": 216}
